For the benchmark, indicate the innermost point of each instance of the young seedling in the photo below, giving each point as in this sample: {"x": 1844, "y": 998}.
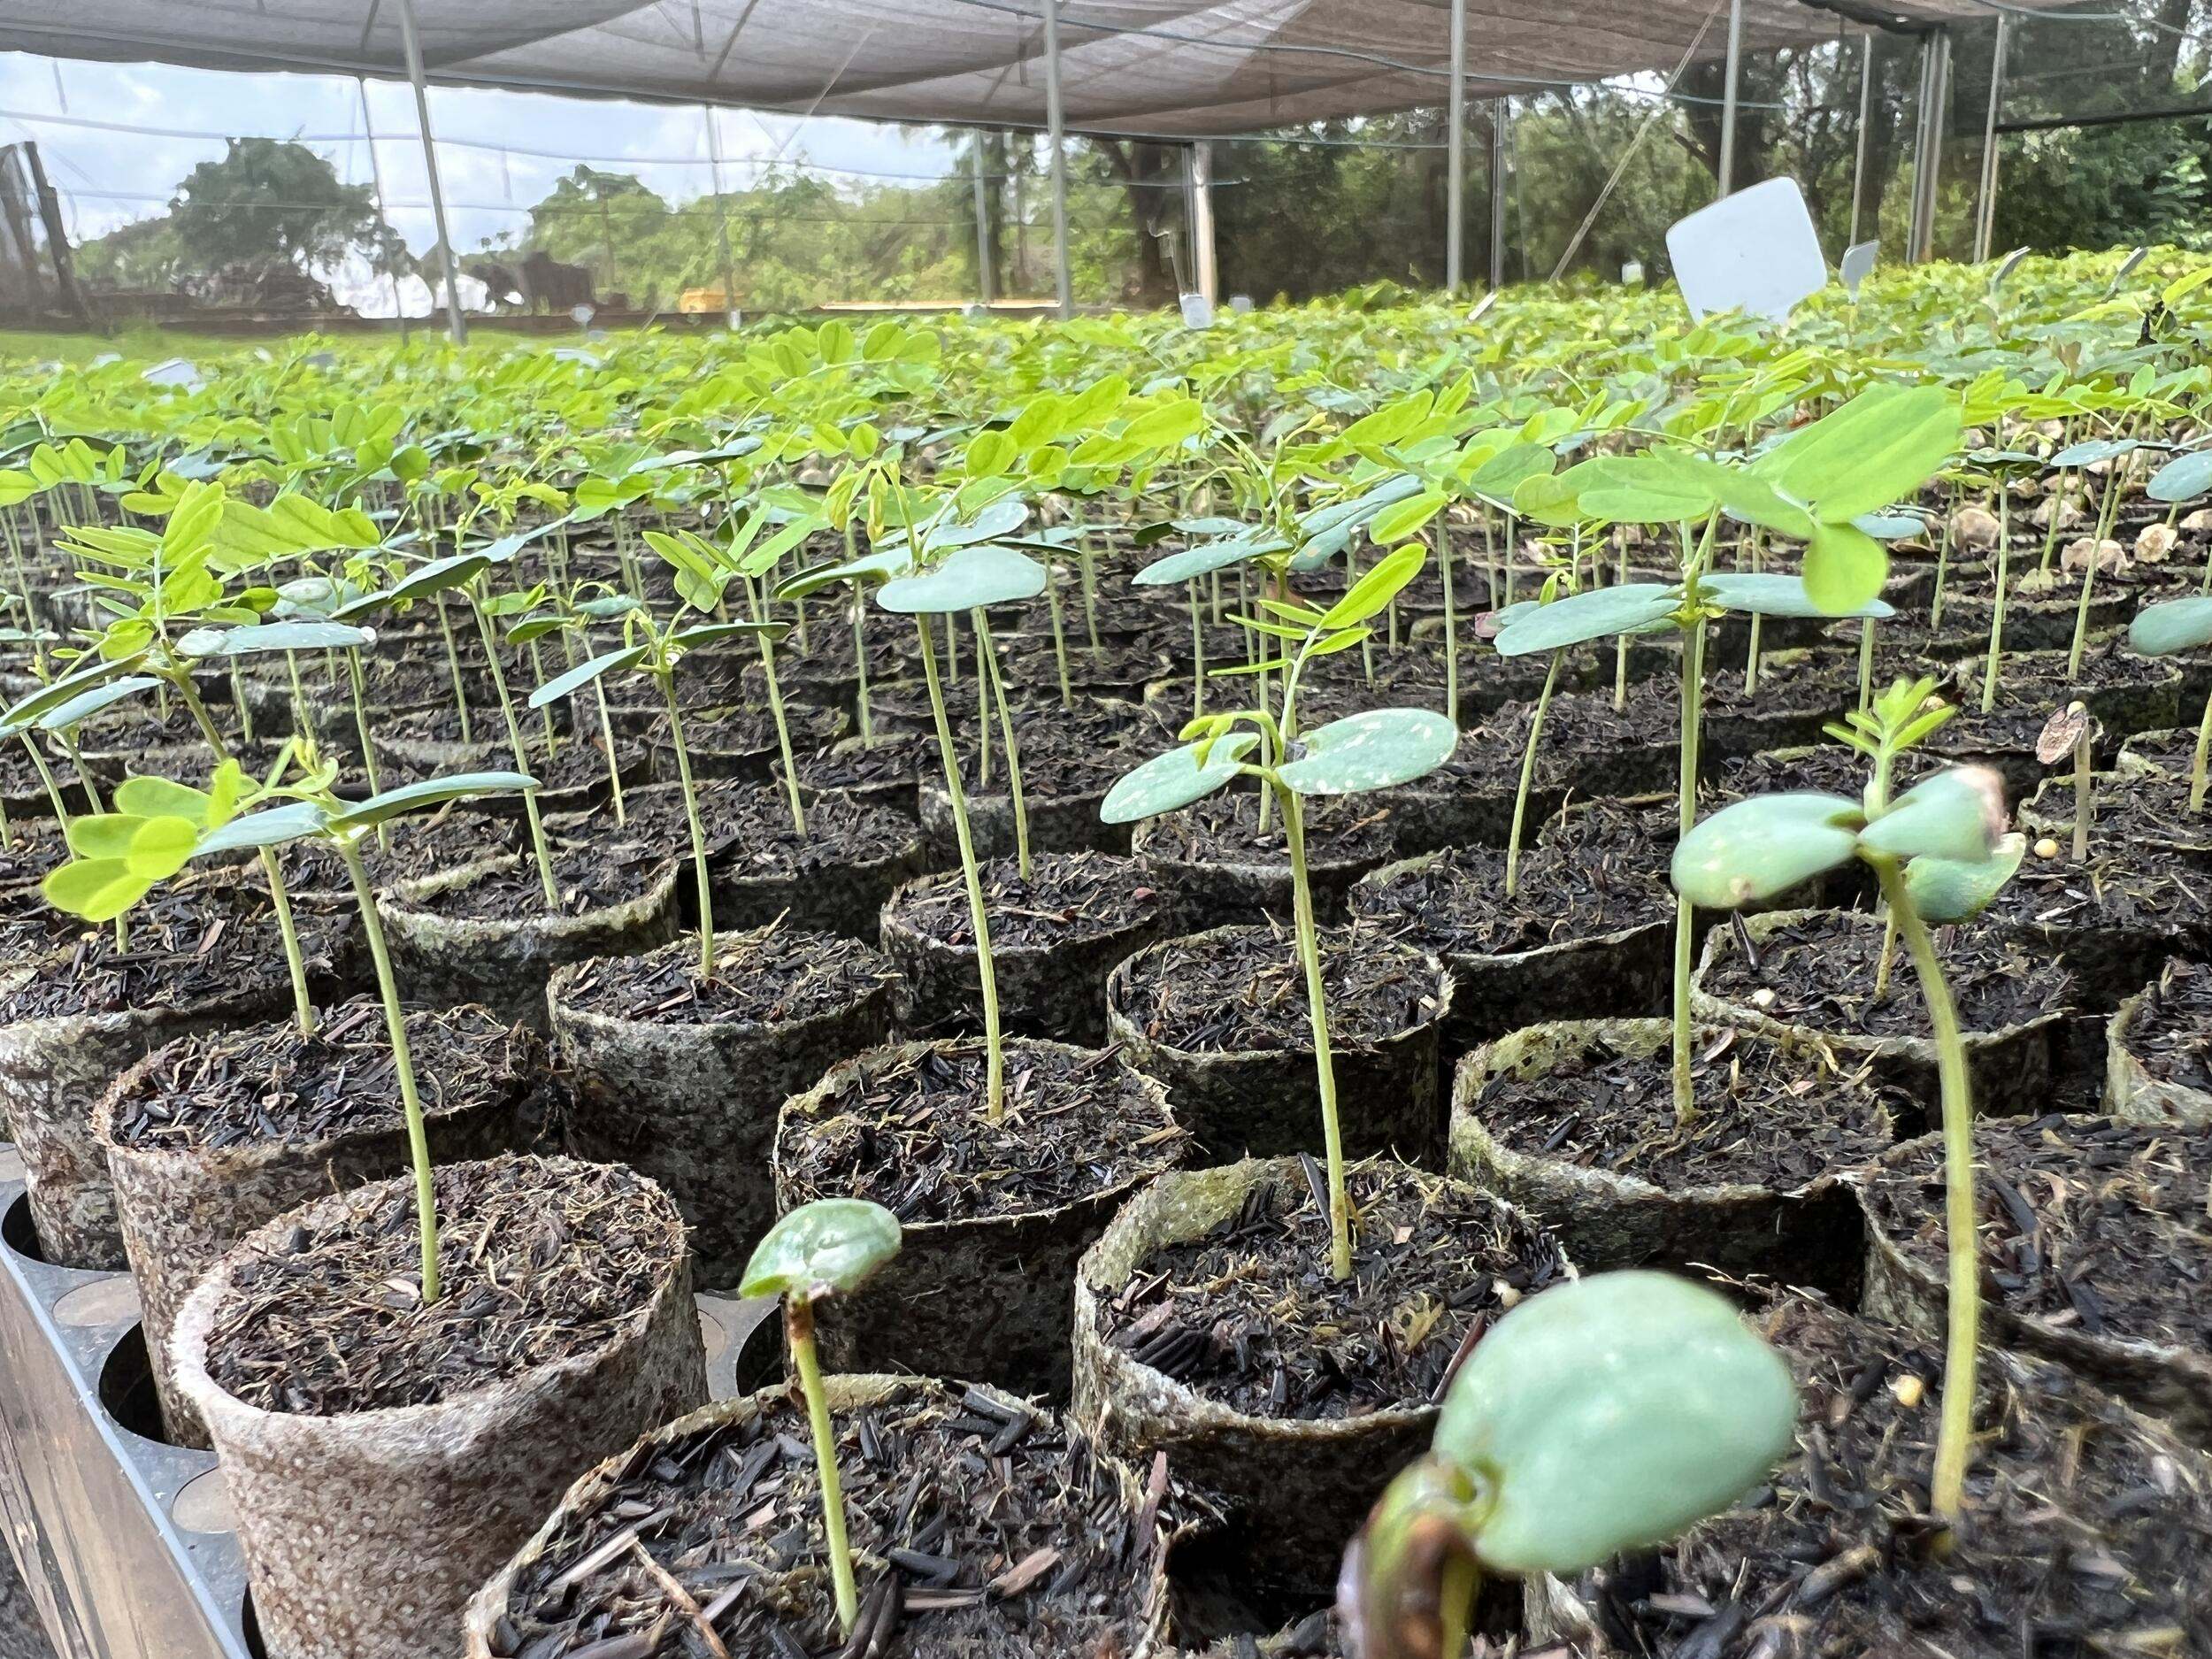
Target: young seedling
{"x": 2167, "y": 630}
{"x": 1941, "y": 853}
{"x": 829, "y": 1247}
{"x": 158, "y": 826}
{"x": 1377, "y": 750}
{"x": 2072, "y": 731}
{"x": 1814, "y": 486}
{"x": 1606, "y": 1415}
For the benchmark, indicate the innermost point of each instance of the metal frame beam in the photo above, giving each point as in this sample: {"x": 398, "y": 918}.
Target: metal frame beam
{"x": 1985, "y": 193}
{"x": 1455, "y": 158}
{"x": 1056, "y": 128}
{"x": 1205, "y": 266}
{"x": 410, "y": 42}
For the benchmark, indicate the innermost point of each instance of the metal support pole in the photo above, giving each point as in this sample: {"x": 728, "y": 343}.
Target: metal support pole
{"x": 1455, "y": 158}
{"x": 376, "y": 179}
{"x": 721, "y": 218}
{"x": 412, "y": 45}
{"x": 1056, "y": 123}
{"x": 1935, "y": 90}
{"x": 1985, "y": 197}
{"x": 1501, "y": 111}
{"x": 1858, "y": 157}
{"x": 1730, "y": 85}
{"x": 1205, "y": 265}
{"x": 985, "y": 277}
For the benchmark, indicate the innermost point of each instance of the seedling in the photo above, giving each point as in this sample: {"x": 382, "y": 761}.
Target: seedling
{"x": 829, "y": 1247}
{"x": 2167, "y": 630}
{"x": 1941, "y": 854}
{"x": 2073, "y": 731}
{"x": 1601, "y": 1416}
{"x": 1814, "y": 486}
{"x": 1377, "y": 750}
{"x": 159, "y": 826}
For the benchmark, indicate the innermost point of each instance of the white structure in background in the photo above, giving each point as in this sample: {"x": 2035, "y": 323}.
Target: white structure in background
{"x": 1755, "y": 251}
{"x": 370, "y": 293}
{"x": 1858, "y": 263}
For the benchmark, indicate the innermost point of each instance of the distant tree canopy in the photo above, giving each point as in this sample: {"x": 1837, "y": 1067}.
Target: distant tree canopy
{"x": 267, "y": 202}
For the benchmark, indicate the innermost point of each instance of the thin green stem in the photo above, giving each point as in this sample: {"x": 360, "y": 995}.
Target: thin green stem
{"x": 798, "y": 1326}
{"x": 1451, "y": 620}
{"x": 1197, "y": 655}
{"x": 1997, "y": 606}
{"x": 453, "y": 667}
{"x": 1955, "y": 1435}
{"x": 979, "y": 917}
{"x": 1685, "y": 918}
{"x": 538, "y": 849}
{"x": 1528, "y": 775}
{"x": 2108, "y": 508}
{"x": 2085, "y": 806}
{"x": 1317, "y": 1012}
{"x": 1059, "y": 637}
{"x": 987, "y": 649}
{"x": 776, "y": 712}
{"x": 667, "y": 681}
{"x": 1943, "y": 560}
{"x": 2197, "y": 767}
{"x": 402, "y": 1063}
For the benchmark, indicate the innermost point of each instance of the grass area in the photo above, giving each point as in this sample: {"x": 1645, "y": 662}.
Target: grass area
{"x": 20, "y": 345}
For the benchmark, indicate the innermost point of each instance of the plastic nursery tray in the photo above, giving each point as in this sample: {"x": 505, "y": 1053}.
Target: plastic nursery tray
{"x": 125, "y": 1542}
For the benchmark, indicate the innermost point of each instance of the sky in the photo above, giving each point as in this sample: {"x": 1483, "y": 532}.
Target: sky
{"x": 109, "y": 178}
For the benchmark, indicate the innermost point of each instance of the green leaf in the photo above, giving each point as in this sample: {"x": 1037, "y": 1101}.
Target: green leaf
{"x": 1630, "y": 607}
{"x": 972, "y": 577}
{"x": 1372, "y": 751}
{"x": 2178, "y": 624}
{"x": 27, "y": 709}
{"x": 103, "y": 835}
{"x": 830, "y": 1246}
{"x": 1174, "y": 780}
{"x": 1845, "y": 569}
{"x": 1372, "y": 593}
{"x": 1499, "y": 478}
{"x": 1958, "y": 814}
{"x": 1879, "y": 448}
{"x": 161, "y": 797}
{"x": 273, "y": 636}
{"x": 162, "y": 847}
{"x": 1771, "y": 594}
{"x": 1208, "y": 556}
{"x": 871, "y": 567}
{"x": 1657, "y": 487}
{"x": 252, "y": 831}
{"x": 97, "y": 889}
{"x": 1612, "y": 1413}
{"x": 392, "y": 803}
{"x": 288, "y": 528}
{"x": 1401, "y": 519}
{"x": 1756, "y": 848}
{"x": 1551, "y": 499}
{"x": 2184, "y": 477}
{"x": 85, "y": 705}
{"x": 1946, "y": 890}
{"x": 456, "y": 570}
{"x": 577, "y": 678}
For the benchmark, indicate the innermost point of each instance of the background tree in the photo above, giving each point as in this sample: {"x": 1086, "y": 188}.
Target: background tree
{"x": 269, "y": 202}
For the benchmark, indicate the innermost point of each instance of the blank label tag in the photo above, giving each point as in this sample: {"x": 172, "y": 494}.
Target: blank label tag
{"x": 1755, "y": 251}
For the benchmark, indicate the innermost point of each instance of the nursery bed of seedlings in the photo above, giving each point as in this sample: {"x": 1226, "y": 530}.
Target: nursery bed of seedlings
{"x": 1364, "y": 982}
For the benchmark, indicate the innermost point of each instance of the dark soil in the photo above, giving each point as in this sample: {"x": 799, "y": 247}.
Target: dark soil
{"x": 1601, "y": 875}
{"x": 1820, "y": 972}
{"x": 1240, "y": 990}
{"x": 2172, "y": 1034}
{"x": 1768, "y": 1114}
{"x": 907, "y": 1129}
{"x": 2097, "y": 1224}
{"x": 753, "y": 731}
{"x": 2031, "y": 686}
{"x": 420, "y": 845}
{"x": 542, "y": 1262}
{"x": 188, "y": 940}
{"x": 2129, "y": 809}
{"x": 1250, "y": 1317}
{"x": 32, "y": 850}
{"x": 267, "y": 1083}
{"x": 771, "y": 976}
{"x": 1830, "y": 769}
{"x": 2171, "y": 747}
{"x": 2125, "y": 884}
{"x": 895, "y": 757}
{"x": 1069, "y": 895}
{"x": 1064, "y": 751}
{"x": 2079, "y": 1540}
{"x": 978, "y": 1531}
{"x": 587, "y": 879}
{"x": 1225, "y": 828}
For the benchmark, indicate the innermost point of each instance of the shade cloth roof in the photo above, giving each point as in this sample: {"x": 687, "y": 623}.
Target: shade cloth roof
{"x": 1165, "y": 67}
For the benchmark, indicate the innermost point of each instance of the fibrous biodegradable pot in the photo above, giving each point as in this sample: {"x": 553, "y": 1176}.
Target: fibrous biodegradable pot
{"x": 1032, "y": 1544}
{"x": 2085, "y": 1529}
{"x": 2109, "y": 1279}
{"x": 994, "y": 1214}
{"x": 69, "y": 1024}
{"x": 836, "y": 876}
{"x": 1221, "y": 1019}
{"x": 1219, "y": 867}
{"x": 575, "y": 777}
{"x": 1054, "y": 938}
{"x": 1208, "y": 1328}
{"x": 741, "y": 743}
{"x": 216, "y": 1134}
{"x": 503, "y": 957}
{"x": 1574, "y": 1121}
{"x": 2158, "y": 1054}
{"x": 885, "y": 772}
{"x": 682, "y": 1081}
{"x": 1061, "y": 802}
{"x": 2012, "y": 1001}
{"x": 367, "y": 1527}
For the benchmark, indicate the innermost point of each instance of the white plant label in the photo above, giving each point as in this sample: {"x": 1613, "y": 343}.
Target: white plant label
{"x": 1755, "y": 251}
